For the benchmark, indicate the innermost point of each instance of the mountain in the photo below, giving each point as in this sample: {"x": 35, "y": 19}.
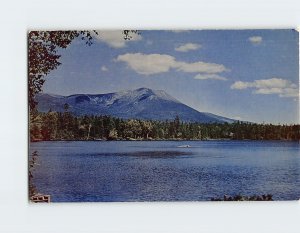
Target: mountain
{"x": 142, "y": 103}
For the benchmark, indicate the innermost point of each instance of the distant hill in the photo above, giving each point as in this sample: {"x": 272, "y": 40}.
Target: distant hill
{"x": 142, "y": 103}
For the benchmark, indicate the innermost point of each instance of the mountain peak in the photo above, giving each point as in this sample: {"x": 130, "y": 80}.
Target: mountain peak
{"x": 141, "y": 103}
{"x": 143, "y": 89}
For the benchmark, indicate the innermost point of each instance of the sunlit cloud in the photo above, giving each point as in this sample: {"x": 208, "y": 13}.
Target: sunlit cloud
{"x": 148, "y": 64}
{"x": 188, "y": 47}
{"x": 279, "y": 86}
{"x": 210, "y": 76}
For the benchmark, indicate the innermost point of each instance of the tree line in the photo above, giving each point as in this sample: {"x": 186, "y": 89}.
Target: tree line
{"x": 65, "y": 126}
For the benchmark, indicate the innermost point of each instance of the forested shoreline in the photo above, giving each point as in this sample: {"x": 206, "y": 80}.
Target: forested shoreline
{"x": 65, "y": 126}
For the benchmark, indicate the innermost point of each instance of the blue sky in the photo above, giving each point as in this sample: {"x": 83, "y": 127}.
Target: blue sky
{"x": 249, "y": 75}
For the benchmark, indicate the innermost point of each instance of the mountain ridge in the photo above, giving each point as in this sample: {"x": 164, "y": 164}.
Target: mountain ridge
{"x": 142, "y": 103}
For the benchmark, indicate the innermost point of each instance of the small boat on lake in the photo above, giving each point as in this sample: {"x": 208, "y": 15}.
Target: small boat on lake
{"x": 184, "y": 146}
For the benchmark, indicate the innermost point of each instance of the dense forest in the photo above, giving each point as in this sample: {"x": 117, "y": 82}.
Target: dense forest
{"x": 65, "y": 126}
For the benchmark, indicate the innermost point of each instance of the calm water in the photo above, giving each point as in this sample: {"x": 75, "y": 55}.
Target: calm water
{"x": 163, "y": 171}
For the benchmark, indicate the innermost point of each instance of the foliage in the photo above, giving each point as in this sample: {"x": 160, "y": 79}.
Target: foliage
{"x": 32, "y": 163}
{"x": 65, "y": 126}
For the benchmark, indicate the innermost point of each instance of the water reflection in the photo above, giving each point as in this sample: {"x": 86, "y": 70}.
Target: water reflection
{"x": 160, "y": 171}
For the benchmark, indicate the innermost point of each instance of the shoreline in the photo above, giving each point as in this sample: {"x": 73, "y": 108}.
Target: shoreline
{"x": 157, "y": 140}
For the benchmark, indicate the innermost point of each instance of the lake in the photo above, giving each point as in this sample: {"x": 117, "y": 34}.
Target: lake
{"x": 109, "y": 171}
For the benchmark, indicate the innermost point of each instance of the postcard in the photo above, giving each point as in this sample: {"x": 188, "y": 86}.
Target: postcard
{"x": 163, "y": 115}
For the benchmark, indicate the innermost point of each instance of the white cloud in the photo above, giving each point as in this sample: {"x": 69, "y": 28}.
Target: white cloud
{"x": 290, "y": 92}
{"x": 104, "y": 68}
{"x": 274, "y": 82}
{"x": 267, "y": 91}
{"x": 148, "y": 64}
{"x": 255, "y": 39}
{"x": 187, "y": 47}
{"x": 115, "y": 39}
{"x": 210, "y": 76}
{"x": 241, "y": 85}
{"x": 200, "y": 67}
{"x": 279, "y": 86}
